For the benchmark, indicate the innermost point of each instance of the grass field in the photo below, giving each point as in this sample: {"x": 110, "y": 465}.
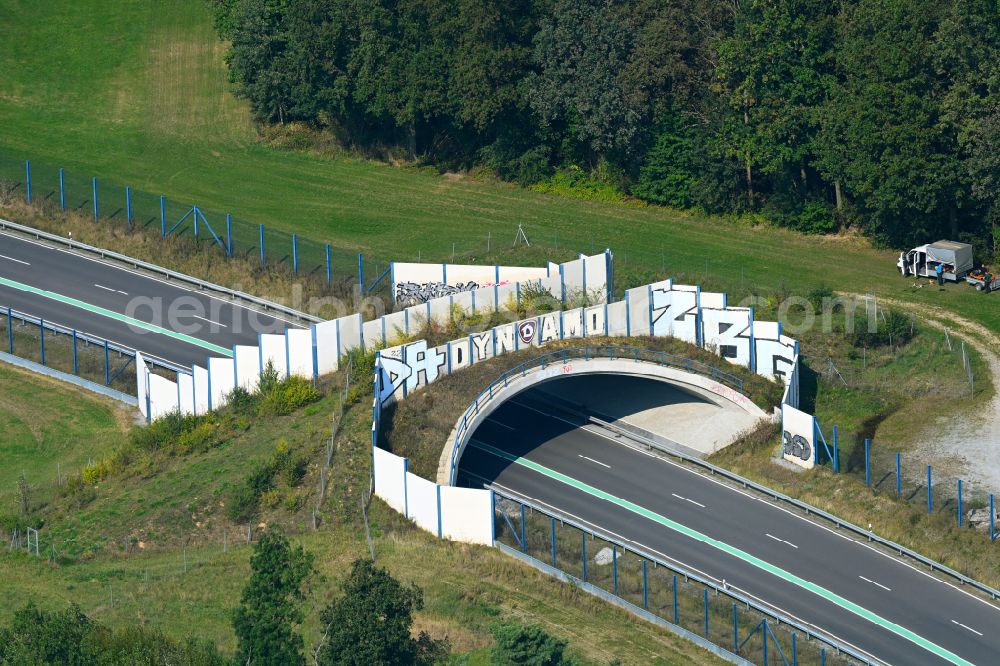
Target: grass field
{"x": 48, "y": 428}
{"x": 136, "y": 93}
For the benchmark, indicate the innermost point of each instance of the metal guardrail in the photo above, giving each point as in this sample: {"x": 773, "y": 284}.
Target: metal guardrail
{"x": 586, "y": 353}
{"x": 782, "y": 618}
{"x": 159, "y": 270}
{"x": 89, "y": 339}
{"x": 809, "y": 510}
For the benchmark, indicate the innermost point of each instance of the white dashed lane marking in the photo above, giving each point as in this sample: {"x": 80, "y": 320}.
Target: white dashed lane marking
{"x": 688, "y": 500}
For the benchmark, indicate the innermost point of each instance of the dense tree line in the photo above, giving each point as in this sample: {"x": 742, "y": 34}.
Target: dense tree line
{"x": 878, "y": 113}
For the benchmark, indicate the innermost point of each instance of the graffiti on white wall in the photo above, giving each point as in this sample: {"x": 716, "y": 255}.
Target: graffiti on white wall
{"x": 798, "y": 437}
{"x": 728, "y": 332}
{"x": 415, "y": 293}
{"x": 675, "y": 314}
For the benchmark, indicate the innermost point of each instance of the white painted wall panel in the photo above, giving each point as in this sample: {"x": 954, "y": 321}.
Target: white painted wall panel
{"x": 395, "y": 327}
{"x": 390, "y": 482}
{"x": 186, "y": 388}
{"x": 300, "y": 357}
{"x": 441, "y": 310}
{"x": 327, "y": 347}
{"x": 467, "y": 515}
{"x": 162, "y": 396}
{"x": 221, "y": 379}
{"x": 421, "y": 499}
{"x": 200, "y": 389}
{"x": 141, "y": 383}
{"x": 638, "y": 311}
{"x": 373, "y": 333}
{"x": 616, "y": 319}
{"x": 272, "y": 349}
{"x": 248, "y": 366}
{"x": 573, "y": 279}
{"x": 350, "y": 333}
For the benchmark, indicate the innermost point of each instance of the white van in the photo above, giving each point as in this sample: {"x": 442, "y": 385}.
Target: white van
{"x": 955, "y": 258}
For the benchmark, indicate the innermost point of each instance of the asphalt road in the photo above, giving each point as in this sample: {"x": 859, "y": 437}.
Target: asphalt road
{"x": 767, "y": 552}
{"x": 158, "y": 318}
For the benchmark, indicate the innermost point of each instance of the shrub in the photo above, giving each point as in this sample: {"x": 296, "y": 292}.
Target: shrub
{"x": 198, "y": 439}
{"x": 270, "y": 499}
{"x": 243, "y": 505}
{"x": 819, "y": 295}
{"x": 816, "y": 217}
{"x": 286, "y": 396}
{"x": 894, "y": 328}
{"x": 527, "y": 645}
{"x": 242, "y": 401}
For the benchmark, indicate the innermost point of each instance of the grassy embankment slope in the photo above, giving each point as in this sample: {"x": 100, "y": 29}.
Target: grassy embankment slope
{"x": 186, "y": 562}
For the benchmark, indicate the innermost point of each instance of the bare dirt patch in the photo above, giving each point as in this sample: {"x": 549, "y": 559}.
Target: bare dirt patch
{"x": 963, "y": 444}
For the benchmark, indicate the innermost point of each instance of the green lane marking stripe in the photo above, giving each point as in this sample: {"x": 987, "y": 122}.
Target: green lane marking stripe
{"x": 736, "y": 552}
{"x": 115, "y": 315}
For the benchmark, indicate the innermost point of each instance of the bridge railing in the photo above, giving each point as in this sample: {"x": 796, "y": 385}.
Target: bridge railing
{"x": 71, "y": 351}
{"x": 586, "y": 353}
{"x": 716, "y": 616}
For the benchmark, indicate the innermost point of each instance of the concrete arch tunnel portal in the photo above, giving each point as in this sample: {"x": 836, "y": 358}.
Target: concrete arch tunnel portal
{"x": 548, "y": 407}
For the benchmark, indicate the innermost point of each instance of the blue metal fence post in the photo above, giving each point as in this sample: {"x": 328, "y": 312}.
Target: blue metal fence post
{"x": 706, "y": 612}
{"x": 107, "y": 365}
{"x": 361, "y": 273}
{"x": 10, "y": 332}
{"x": 614, "y": 567}
{"x": 76, "y": 363}
{"x": 930, "y": 505}
{"x": 675, "y": 600}
{"x": 262, "y": 255}
{"x": 524, "y": 543}
{"x": 959, "y": 495}
{"x": 128, "y": 204}
{"x": 645, "y": 586}
{"x": 27, "y": 178}
{"x": 583, "y": 550}
{"x": 868, "y": 462}
{"x": 229, "y": 235}
{"x": 993, "y": 532}
{"x": 62, "y": 189}
{"x": 295, "y": 254}
{"x": 553, "y": 542}
{"x": 96, "y": 207}
{"x": 163, "y": 216}
{"x": 763, "y": 634}
{"x": 195, "y": 216}
{"x": 899, "y": 478}
{"x": 795, "y": 654}
{"x": 41, "y": 338}
{"x": 836, "y": 451}
{"x": 329, "y": 266}
{"x": 822, "y": 657}
{"x": 736, "y": 631}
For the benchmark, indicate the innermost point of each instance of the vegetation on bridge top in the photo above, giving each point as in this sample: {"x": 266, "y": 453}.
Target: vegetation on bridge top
{"x": 419, "y": 426}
